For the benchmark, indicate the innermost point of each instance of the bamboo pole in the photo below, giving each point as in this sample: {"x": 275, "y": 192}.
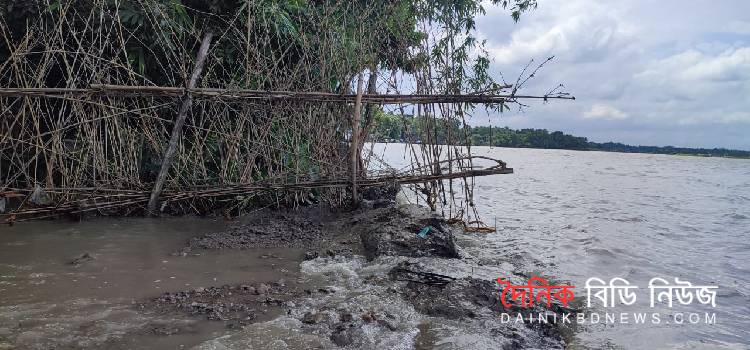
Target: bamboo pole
{"x": 179, "y": 123}
{"x": 354, "y": 148}
{"x": 124, "y": 91}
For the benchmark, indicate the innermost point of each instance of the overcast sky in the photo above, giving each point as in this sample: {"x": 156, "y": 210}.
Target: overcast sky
{"x": 648, "y": 72}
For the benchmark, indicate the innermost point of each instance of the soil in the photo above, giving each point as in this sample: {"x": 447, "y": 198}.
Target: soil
{"x": 236, "y": 305}
{"x": 379, "y": 227}
{"x": 266, "y": 229}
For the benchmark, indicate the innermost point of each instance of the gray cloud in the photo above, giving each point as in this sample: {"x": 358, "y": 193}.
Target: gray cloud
{"x": 643, "y": 71}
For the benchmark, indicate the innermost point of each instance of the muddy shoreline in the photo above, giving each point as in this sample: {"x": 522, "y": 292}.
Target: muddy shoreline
{"x": 387, "y": 275}
{"x": 406, "y": 238}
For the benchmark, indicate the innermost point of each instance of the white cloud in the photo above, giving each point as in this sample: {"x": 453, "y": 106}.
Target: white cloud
{"x": 693, "y": 66}
{"x": 716, "y": 117}
{"x": 570, "y": 34}
{"x": 731, "y": 65}
{"x": 639, "y": 64}
{"x": 604, "y": 112}
{"x": 693, "y": 75}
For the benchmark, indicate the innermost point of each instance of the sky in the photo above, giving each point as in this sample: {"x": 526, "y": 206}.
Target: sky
{"x": 644, "y": 72}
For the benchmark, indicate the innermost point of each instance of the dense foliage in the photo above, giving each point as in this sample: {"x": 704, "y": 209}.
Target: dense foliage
{"x": 332, "y": 39}
{"x": 117, "y": 142}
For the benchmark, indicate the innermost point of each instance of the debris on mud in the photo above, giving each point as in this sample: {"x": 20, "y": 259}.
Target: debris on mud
{"x": 83, "y": 258}
{"x": 405, "y": 231}
{"x": 265, "y": 229}
{"x": 238, "y": 305}
{"x": 380, "y": 196}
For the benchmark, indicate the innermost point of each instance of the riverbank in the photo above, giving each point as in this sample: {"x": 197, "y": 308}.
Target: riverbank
{"x": 356, "y": 267}
{"x": 309, "y": 278}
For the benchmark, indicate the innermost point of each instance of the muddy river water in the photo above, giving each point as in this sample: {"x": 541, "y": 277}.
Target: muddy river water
{"x": 563, "y": 214}
{"x": 48, "y": 301}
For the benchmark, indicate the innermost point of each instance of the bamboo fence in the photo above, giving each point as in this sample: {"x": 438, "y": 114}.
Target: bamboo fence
{"x": 85, "y": 126}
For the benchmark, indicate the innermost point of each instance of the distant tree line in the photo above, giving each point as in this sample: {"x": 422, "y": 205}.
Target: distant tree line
{"x": 707, "y": 152}
{"x": 393, "y": 128}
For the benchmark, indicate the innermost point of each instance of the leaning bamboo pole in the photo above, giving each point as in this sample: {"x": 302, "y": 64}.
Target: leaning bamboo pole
{"x": 187, "y": 103}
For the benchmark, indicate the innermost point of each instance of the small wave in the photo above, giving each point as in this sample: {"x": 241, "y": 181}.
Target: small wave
{"x": 586, "y": 240}
{"x": 38, "y": 275}
{"x": 736, "y": 216}
{"x": 631, "y": 219}
{"x": 602, "y": 252}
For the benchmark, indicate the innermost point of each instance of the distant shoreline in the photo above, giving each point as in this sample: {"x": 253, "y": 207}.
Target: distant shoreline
{"x": 596, "y": 150}
{"x": 625, "y": 152}
{"x": 394, "y": 128}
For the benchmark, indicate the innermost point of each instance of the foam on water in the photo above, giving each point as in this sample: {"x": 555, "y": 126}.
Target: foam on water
{"x": 347, "y": 281}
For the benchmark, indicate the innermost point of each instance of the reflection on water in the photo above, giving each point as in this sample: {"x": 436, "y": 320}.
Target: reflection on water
{"x": 635, "y": 216}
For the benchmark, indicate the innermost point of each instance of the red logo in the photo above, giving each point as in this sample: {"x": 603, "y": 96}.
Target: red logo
{"x": 525, "y": 293}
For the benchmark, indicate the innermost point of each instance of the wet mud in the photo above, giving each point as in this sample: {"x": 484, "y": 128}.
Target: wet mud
{"x": 235, "y": 305}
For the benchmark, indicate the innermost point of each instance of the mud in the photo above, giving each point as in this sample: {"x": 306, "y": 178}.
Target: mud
{"x": 235, "y": 305}
{"x": 266, "y": 229}
{"x": 388, "y": 230}
{"x": 378, "y": 227}
{"x": 395, "y": 231}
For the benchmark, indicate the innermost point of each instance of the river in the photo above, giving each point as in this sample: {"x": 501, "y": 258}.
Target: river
{"x": 564, "y": 215}
{"x": 633, "y": 216}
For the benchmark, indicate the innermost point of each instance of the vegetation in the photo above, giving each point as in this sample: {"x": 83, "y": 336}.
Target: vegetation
{"x": 395, "y": 128}
{"x": 704, "y": 152}
{"x": 116, "y": 143}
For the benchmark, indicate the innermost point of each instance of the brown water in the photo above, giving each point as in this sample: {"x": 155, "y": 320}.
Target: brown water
{"x": 47, "y": 302}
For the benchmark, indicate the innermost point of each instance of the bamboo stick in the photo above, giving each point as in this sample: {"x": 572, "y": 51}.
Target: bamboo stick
{"x": 178, "y": 124}
{"x": 354, "y": 147}
{"x": 123, "y": 91}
